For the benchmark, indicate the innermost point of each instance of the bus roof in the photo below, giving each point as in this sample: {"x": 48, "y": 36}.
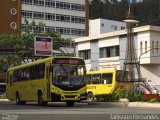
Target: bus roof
{"x": 39, "y": 61}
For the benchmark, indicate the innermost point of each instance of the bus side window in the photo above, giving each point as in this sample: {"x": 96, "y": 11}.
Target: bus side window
{"x": 96, "y": 79}
{"x": 32, "y": 72}
{"x": 107, "y": 78}
{"x": 89, "y": 80}
{"x": 7, "y": 79}
{"x": 40, "y": 71}
{"x": 11, "y": 80}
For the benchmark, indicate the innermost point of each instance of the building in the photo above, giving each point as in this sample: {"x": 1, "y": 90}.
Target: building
{"x": 10, "y": 16}
{"x": 69, "y": 18}
{"x": 107, "y": 51}
{"x": 100, "y": 26}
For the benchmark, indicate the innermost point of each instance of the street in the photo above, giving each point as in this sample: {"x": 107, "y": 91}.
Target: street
{"x": 59, "y": 111}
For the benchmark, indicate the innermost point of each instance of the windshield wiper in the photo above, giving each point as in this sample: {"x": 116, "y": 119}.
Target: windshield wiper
{"x": 64, "y": 69}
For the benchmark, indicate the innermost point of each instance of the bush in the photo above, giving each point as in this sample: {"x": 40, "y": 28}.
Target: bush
{"x": 139, "y": 97}
{"x": 153, "y": 100}
{"x": 104, "y": 98}
{"x": 118, "y": 94}
{"x": 131, "y": 97}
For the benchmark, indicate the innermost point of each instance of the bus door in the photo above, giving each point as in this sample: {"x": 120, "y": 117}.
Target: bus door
{"x": 9, "y": 90}
{"x": 94, "y": 86}
{"x": 107, "y": 81}
{"x": 48, "y": 83}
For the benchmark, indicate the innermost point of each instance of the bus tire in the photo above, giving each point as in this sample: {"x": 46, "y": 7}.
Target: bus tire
{"x": 40, "y": 99}
{"x": 70, "y": 103}
{"x": 90, "y": 97}
{"x": 18, "y": 101}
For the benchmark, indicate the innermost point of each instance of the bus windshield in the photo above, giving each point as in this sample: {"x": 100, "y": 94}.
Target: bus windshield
{"x": 69, "y": 75}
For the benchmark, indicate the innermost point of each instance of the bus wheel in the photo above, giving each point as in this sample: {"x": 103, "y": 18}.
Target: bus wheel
{"x": 90, "y": 97}
{"x": 40, "y": 100}
{"x": 70, "y": 103}
{"x": 18, "y": 101}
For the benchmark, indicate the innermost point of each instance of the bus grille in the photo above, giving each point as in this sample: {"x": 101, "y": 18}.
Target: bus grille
{"x": 70, "y": 96}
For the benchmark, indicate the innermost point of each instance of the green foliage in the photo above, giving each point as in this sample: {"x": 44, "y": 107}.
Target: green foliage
{"x": 23, "y": 44}
{"x": 153, "y": 100}
{"x": 147, "y": 11}
{"x": 105, "y": 97}
{"x": 118, "y": 94}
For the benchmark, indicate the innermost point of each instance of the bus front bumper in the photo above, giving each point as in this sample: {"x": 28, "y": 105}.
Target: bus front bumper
{"x": 68, "y": 97}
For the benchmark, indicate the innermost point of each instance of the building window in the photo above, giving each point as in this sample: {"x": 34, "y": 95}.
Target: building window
{"x": 106, "y": 52}
{"x": 102, "y": 25}
{"x": 157, "y": 47}
{"x": 152, "y": 47}
{"x": 28, "y": 2}
{"x": 122, "y": 28}
{"x": 38, "y": 15}
{"x": 77, "y": 7}
{"x": 50, "y": 16}
{"x": 49, "y": 28}
{"x": 27, "y": 14}
{"x": 38, "y": 2}
{"x": 85, "y": 54}
{"x": 115, "y": 27}
{"x": 50, "y": 3}
{"x": 145, "y": 46}
{"x": 141, "y": 48}
{"x": 102, "y": 52}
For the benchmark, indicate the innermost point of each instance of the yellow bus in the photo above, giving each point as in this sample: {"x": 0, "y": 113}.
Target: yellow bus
{"x": 54, "y": 79}
{"x": 102, "y": 82}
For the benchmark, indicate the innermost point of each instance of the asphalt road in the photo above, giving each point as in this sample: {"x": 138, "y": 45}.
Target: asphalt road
{"x": 81, "y": 111}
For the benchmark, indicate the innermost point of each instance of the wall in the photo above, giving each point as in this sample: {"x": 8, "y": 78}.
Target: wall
{"x": 7, "y": 17}
{"x": 100, "y": 26}
{"x": 94, "y": 54}
{"x": 152, "y": 73}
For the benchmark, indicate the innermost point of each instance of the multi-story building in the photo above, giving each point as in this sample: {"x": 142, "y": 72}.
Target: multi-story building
{"x": 65, "y": 17}
{"x": 100, "y": 26}
{"x": 107, "y": 51}
{"x": 69, "y": 18}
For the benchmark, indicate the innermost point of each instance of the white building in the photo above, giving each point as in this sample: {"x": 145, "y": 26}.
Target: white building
{"x": 67, "y": 17}
{"x": 107, "y": 51}
{"x": 100, "y": 26}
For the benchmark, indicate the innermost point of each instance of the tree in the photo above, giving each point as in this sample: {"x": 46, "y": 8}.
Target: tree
{"x": 145, "y": 11}
{"x": 18, "y": 48}
{"x": 96, "y": 9}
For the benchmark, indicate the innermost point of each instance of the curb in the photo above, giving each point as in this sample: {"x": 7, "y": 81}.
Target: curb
{"x": 4, "y": 100}
{"x": 131, "y": 104}
{"x": 144, "y": 104}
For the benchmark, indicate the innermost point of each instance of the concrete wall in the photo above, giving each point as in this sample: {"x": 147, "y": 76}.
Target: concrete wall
{"x": 94, "y": 54}
{"x": 100, "y": 26}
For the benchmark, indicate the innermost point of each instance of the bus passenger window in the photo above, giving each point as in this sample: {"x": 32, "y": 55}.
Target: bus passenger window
{"x": 89, "y": 81}
{"x": 107, "y": 78}
{"x": 96, "y": 79}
